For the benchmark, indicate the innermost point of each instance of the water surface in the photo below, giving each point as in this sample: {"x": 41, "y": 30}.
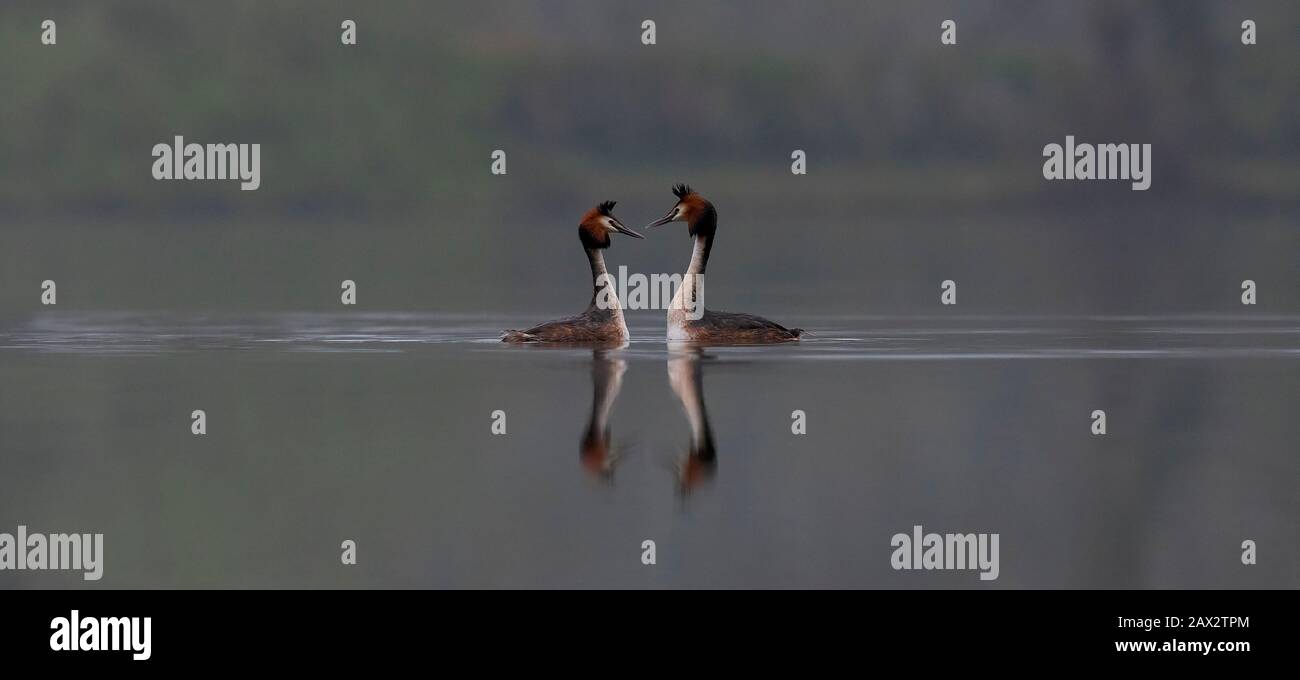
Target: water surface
{"x": 377, "y": 428}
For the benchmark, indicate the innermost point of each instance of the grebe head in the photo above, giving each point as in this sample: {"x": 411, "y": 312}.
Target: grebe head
{"x": 691, "y": 208}
{"x": 599, "y": 223}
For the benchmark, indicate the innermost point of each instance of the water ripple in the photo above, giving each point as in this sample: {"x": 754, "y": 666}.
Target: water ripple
{"x": 839, "y": 338}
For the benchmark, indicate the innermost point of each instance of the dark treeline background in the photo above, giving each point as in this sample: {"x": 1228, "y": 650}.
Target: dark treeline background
{"x": 410, "y": 114}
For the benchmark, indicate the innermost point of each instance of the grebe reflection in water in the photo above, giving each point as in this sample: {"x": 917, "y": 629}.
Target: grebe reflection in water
{"x": 595, "y": 450}
{"x": 700, "y": 462}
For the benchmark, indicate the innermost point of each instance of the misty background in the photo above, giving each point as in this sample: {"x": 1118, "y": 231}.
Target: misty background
{"x": 924, "y": 160}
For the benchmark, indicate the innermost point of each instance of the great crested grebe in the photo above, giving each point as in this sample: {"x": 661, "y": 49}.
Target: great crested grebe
{"x": 685, "y": 322}
{"x": 603, "y": 320}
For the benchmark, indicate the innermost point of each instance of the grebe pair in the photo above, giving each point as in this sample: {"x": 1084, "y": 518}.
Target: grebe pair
{"x": 604, "y": 322}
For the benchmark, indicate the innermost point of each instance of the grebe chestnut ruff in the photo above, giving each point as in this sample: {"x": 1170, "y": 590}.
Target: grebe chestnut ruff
{"x": 602, "y": 322}
{"x": 686, "y": 323}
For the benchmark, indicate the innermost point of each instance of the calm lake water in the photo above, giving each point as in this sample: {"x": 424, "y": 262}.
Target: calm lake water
{"x": 377, "y": 428}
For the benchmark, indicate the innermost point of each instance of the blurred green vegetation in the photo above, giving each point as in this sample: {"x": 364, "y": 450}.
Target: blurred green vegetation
{"x": 405, "y": 121}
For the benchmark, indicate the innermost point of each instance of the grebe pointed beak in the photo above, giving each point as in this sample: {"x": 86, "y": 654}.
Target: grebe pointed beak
{"x": 663, "y": 220}
{"x": 622, "y": 229}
